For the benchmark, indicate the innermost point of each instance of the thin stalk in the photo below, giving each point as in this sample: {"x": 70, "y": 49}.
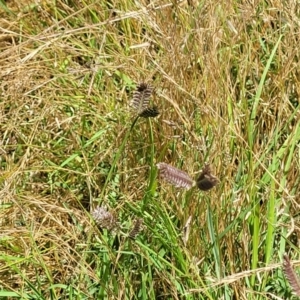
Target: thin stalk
{"x": 117, "y": 156}
{"x": 251, "y": 139}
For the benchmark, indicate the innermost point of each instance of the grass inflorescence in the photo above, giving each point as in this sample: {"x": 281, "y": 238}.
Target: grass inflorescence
{"x": 110, "y": 111}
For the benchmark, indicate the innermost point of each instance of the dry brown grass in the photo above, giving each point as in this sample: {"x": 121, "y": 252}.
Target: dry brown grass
{"x": 67, "y": 73}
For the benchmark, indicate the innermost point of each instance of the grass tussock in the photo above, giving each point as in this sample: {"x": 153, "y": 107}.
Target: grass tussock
{"x": 223, "y": 83}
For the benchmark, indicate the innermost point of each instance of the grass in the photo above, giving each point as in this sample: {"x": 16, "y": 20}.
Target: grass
{"x": 227, "y": 87}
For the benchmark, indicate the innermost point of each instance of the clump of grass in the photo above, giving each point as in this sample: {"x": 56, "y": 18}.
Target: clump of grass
{"x": 226, "y": 78}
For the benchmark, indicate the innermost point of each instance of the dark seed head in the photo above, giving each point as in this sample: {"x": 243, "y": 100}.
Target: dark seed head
{"x": 141, "y": 97}
{"x": 206, "y": 183}
{"x": 136, "y": 229}
{"x": 176, "y": 177}
{"x": 104, "y": 218}
{"x": 149, "y": 112}
{"x": 142, "y": 87}
{"x": 291, "y": 275}
{"x": 206, "y": 180}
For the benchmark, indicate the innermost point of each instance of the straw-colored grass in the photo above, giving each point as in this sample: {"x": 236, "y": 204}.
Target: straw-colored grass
{"x": 226, "y": 83}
